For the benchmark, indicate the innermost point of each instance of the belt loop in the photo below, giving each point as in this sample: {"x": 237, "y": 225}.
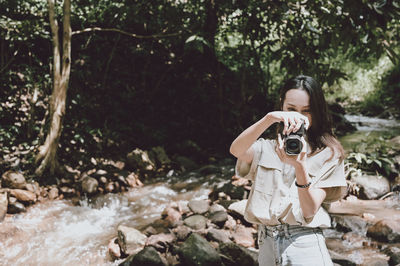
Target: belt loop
{"x": 286, "y": 229}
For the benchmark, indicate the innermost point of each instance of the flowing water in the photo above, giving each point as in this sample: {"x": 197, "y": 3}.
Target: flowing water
{"x": 59, "y": 233}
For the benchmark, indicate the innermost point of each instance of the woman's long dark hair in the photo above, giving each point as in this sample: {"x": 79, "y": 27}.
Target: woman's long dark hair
{"x": 320, "y": 134}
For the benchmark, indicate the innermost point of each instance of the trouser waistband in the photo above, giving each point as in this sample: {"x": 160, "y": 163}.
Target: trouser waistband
{"x": 287, "y": 230}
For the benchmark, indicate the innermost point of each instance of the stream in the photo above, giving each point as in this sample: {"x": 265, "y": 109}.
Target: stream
{"x": 59, "y": 233}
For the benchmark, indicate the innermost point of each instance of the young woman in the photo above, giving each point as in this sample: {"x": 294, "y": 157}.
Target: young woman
{"x": 289, "y": 190}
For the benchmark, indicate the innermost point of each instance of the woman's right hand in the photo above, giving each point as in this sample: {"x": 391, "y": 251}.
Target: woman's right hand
{"x": 292, "y": 121}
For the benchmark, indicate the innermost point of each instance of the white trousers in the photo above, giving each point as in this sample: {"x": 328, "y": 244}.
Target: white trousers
{"x": 292, "y": 245}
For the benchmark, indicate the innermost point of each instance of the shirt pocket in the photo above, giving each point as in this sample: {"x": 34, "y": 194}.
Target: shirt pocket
{"x": 267, "y": 172}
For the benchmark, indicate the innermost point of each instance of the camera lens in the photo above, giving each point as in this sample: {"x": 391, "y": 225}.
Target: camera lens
{"x": 293, "y": 146}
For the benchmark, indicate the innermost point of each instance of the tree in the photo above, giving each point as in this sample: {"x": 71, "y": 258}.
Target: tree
{"x": 47, "y": 156}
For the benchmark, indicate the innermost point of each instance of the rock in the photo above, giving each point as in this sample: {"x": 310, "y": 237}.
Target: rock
{"x": 238, "y": 255}
{"x": 216, "y": 208}
{"x": 33, "y": 187}
{"x": 238, "y": 207}
{"x": 182, "y": 232}
{"x": 172, "y": 216}
{"x": 394, "y": 254}
{"x": 161, "y": 241}
{"x": 372, "y": 186}
{"x": 146, "y": 257}
{"x": 15, "y": 207}
{"x": 385, "y": 230}
{"x": 220, "y": 236}
{"x": 53, "y": 193}
{"x": 113, "y": 248}
{"x": 197, "y": 251}
{"x": 133, "y": 180}
{"x": 219, "y": 218}
{"x": 89, "y": 185}
{"x": 395, "y": 142}
{"x": 139, "y": 159}
{"x": 230, "y": 223}
{"x": 341, "y": 259}
{"x": 23, "y": 195}
{"x": 234, "y": 192}
{"x": 130, "y": 240}
{"x": 196, "y": 222}
{"x": 13, "y": 179}
{"x": 243, "y": 236}
{"x": 347, "y": 223}
{"x": 199, "y": 206}
{"x": 3, "y": 205}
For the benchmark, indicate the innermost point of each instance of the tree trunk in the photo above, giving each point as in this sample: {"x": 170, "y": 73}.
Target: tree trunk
{"x": 47, "y": 156}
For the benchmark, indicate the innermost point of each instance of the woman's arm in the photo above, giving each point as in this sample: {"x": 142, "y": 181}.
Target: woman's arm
{"x": 241, "y": 146}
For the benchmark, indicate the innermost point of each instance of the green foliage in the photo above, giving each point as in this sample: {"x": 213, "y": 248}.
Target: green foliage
{"x": 372, "y": 156}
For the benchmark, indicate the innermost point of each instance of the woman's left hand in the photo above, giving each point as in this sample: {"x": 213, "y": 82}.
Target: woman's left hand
{"x": 294, "y": 160}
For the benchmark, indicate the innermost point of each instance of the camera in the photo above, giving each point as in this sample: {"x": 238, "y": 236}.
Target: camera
{"x": 292, "y": 142}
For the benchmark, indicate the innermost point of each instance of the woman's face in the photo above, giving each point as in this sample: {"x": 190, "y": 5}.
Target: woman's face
{"x": 298, "y": 101}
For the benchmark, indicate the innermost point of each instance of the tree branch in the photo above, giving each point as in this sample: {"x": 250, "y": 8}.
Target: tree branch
{"x": 127, "y": 33}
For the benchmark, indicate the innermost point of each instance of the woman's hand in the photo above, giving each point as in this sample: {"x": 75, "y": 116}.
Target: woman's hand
{"x": 298, "y": 160}
{"x": 292, "y": 120}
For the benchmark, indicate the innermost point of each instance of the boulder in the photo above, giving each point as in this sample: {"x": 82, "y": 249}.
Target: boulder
{"x": 12, "y": 179}
{"x": 113, "y": 249}
{"x": 182, "y": 232}
{"x": 243, "y": 236}
{"x": 372, "y": 186}
{"x": 394, "y": 253}
{"x": 89, "y": 185}
{"x": 3, "y": 205}
{"x": 172, "y": 216}
{"x": 146, "y": 257}
{"x": 219, "y": 218}
{"x": 23, "y": 195}
{"x": 139, "y": 159}
{"x": 197, "y": 251}
{"x": 161, "y": 241}
{"x": 196, "y": 222}
{"x": 15, "y": 207}
{"x": 348, "y": 223}
{"x": 199, "y": 206}
{"x": 238, "y": 207}
{"x": 130, "y": 240}
{"x": 216, "y": 208}
{"x": 220, "y": 236}
{"x": 387, "y": 230}
{"x": 53, "y": 193}
{"x": 237, "y": 255}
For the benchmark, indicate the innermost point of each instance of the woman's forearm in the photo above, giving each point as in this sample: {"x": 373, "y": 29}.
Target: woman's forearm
{"x": 243, "y": 142}
{"x": 310, "y": 198}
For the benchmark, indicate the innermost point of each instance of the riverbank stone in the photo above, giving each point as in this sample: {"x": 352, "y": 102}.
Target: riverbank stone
{"x": 237, "y": 255}
{"x": 14, "y": 206}
{"x": 218, "y": 235}
{"x": 219, "y": 218}
{"x": 244, "y": 236}
{"x": 23, "y": 195}
{"x": 196, "y": 222}
{"x": 171, "y": 216}
{"x": 372, "y": 186}
{"x": 161, "y": 242}
{"x": 199, "y": 206}
{"x": 197, "y": 251}
{"x": 13, "y": 179}
{"x": 130, "y": 240}
{"x": 349, "y": 223}
{"x": 89, "y": 185}
{"x": 146, "y": 257}
{"x": 216, "y": 208}
{"x": 394, "y": 253}
{"x": 3, "y": 205}
{"x": 387, "y": 230}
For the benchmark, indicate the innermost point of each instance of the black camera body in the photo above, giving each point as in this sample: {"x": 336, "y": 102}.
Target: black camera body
{"x": 292, "y": 142}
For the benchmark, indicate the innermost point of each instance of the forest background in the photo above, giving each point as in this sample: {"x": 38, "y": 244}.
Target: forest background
{"x": 96, "y": 79}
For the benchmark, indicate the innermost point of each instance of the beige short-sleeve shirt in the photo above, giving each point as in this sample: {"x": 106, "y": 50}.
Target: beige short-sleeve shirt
{"x": 273, "y": 198}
